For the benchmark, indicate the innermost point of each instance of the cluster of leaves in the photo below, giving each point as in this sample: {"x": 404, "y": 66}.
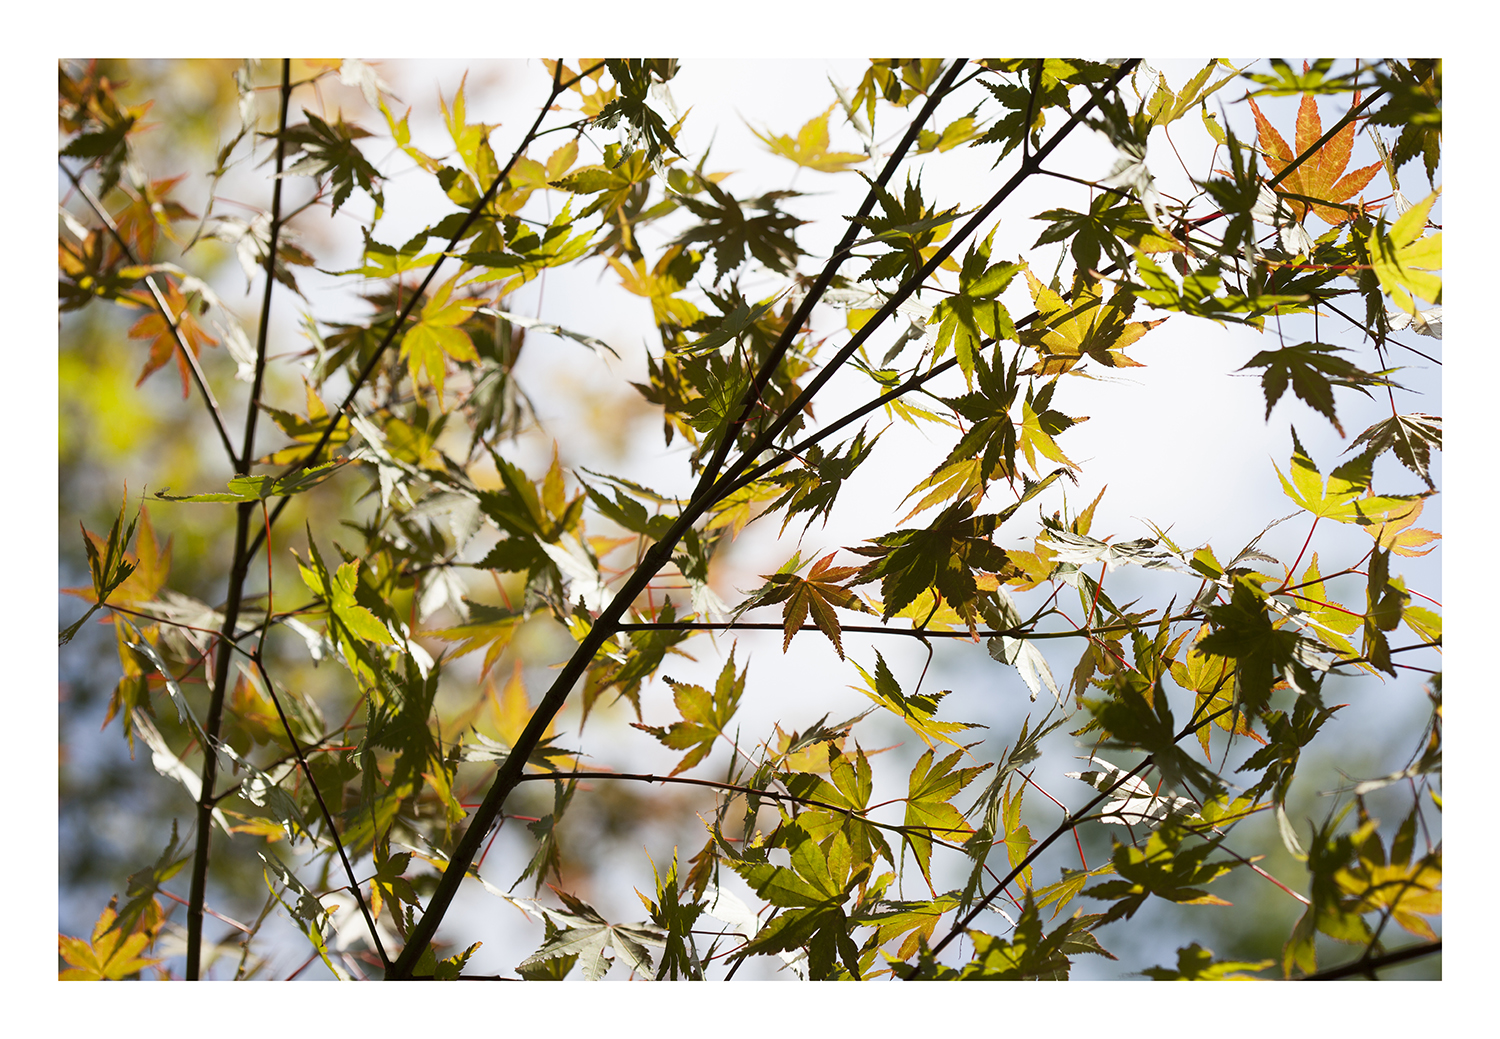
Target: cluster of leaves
{"x": 411, "y": 482}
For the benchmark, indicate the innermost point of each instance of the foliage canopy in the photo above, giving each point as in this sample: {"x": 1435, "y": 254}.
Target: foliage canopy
{"x": 333, "y": 651}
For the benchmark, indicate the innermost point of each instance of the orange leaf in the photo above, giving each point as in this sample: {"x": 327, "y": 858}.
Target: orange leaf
{"x": 163, "y": 342}
{"x": 1322, "y": 175}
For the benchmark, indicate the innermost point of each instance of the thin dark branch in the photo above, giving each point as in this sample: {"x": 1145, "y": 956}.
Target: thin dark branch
{"x": 654, "y": 558}
{"x": 840, "y": 253}
{"x": 915, "y": 382}
{"x": 1349, "y": 970}
{"x": 161, "y": 305}
{"x": 770, "y": 795}
{"x": 918, "y": 633}
{"x": 253, "y": 411}
{"x": 1066, "y": 825}
{"x": 198, "y": 889}
{"x": 582, "y": 75}
{"x": 333, "y": 830}
{"x": 1369, "y": 332}
{"x": 768, "y": 436}
{"x": 416, "y": 297}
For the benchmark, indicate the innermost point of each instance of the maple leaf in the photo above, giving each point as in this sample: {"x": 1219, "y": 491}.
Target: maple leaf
{"x": 819, "y": 592}
{"x": 812, "y": 892}
{"x": 389, "y": 261}
{"x": 1341, "y": 500}
{"x": 810, "y": 147}
{"x": 305, "y": 431}
{"x": 330, "y": 148}
{"x": 1403, "y": 261}
{"x": 260, "y": 486}
{"x": 1415, "y": 96}
{"x": 348, "y": 622}
{"x": 1212, "y": 678}
{"x": 491, "y": 626}
{"x": 1409, "y": 436}
{"x": 109, "y": 954}
{"x": 849, "y": 787}
{"x": 1313, "y": 372}
{"x": 1162, "y": 868}
{"x": 1321, "y": 177}
{"x": 1398, "y": 535}
{"x": 929, "y": 816}
{"x": 1195, "y": 963}
{"x": 943, "y": 555}
{"x": 1139, "y": 803}
{"x": 164, "y": 342}
{"x": 151, "y": 209}
{"x": 917, "y": 710}
{"x": 661, "y": 283}
{"x": 583, "y": 933}
{"x": 916, "y": 920}
{"x": 975, "y": 312}
{"x": 435, "y": 337}
{"x": 147, "y": 567}
{"x": 109, "y": 566}
{"x": 705, "y": 715}
{"x": 815, "y": 488}
{"x": 1084, "y": 325}
{"x": 1103, "y": 229}
{"x": 910, "y": 227}
{"x": 731, "y": 233}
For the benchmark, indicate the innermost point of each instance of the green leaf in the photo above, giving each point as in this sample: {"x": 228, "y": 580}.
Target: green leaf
{"x": 1164, "y": 868}
{"x": 330, "y": 149}
{"x": 1136, "y": 716}
{"x": 975, "y": 312}
{"x": 259, "y": 487}
{"x": 945, "y": 555}
{"x": 1195, "y": 963}
{"x": 585, "y": 934}
{"x": 916, "y": 710}
{"x": 813, "y": 891}
{"x": 1313, "y": 372}
{"x": 1403, "y": 262}
{"x": 810, "y": 147}
{"x": 705, "y": 716}
{"x": 108, "y": 570}
{"x": 435, "y": 338}
{"x": 1342, "y": 499}
{"x": 929, "y": 816}
{"x": 731, "y": 232}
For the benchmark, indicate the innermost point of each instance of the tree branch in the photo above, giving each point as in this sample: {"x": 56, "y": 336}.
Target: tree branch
{"x": 161, "y": 305}
{"x": 364, "y": 374}
{"x": 1062, "y": 828}
{"x": 768, "y": 436}
{"x": 1349, "y": 970}
{"x": 657, "y": 556}
{"x": 198, "y": 888}
{"x": 835, "y": 260}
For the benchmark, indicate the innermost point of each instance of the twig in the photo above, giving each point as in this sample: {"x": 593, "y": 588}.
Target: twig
{"x": 657, "y": 556}
{"x": 237, "y": 575}
{"x": 333, "y": 831}
{"x": 1411, "y": 952}
{"x": 400, "y": 320}
{"x": 161, "y": 305}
